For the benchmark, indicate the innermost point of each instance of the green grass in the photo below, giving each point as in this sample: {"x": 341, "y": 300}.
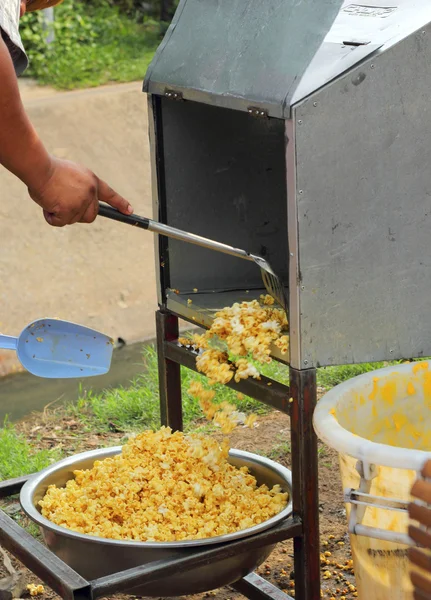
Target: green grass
{"x": 98, "y": 66}
{"x": 137, "y": 405}
{"x": 94, "y": 45}
{"x": 329, "y": 377}
{"x": 17, "y": 457}
{"x": 27, "y": 524}
{"x": 280, "y": 449}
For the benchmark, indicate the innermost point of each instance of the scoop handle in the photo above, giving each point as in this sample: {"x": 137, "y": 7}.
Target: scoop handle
{"x": 8, "y": 342}
{"x": 171, "y": 232}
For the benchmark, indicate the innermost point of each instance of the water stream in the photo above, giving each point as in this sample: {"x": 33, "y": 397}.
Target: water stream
{"x": 22, "y": 393}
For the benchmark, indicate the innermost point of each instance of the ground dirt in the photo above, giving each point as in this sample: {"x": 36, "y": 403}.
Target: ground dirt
{"x": 272, "y": 438}
{"x": 101, "y": 276}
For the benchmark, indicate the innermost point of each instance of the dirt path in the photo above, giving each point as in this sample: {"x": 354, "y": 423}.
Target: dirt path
{"x": 272, "y": 438}
{"x": 101, "y": 275}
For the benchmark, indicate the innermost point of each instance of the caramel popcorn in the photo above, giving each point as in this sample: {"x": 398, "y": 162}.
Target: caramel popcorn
{"x": 163, "y": 487}
{"x": 224, "y": 415}
{"x": 247, "y": 328}
{"x": 35, "y": 590}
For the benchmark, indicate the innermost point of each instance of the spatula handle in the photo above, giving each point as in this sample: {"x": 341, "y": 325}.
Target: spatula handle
{"x": 172, "y": 232}
{"x": 8, "y": 342}
{"x": 115, "y": 215}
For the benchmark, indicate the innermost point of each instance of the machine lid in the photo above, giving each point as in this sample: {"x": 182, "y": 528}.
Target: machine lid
{"x": 240, "y": 53}
{"x": 247, "y": 53}
{"x": 358, "y": 31}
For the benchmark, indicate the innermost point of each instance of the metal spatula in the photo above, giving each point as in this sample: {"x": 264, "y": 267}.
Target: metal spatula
{"x": 273, "y": 284}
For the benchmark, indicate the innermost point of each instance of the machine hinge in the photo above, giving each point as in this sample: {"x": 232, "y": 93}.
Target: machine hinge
{"x": 254, "y": 111}
{"x": 173, "y": 95}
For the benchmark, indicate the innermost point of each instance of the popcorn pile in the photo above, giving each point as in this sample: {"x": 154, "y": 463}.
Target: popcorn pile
{"x": 247, "y": 328}
{"x": 163, "y": 487}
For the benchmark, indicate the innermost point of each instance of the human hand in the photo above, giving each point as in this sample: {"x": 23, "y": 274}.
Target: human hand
{"x": 70, "y": 193}
{"x": 421, "y": 512}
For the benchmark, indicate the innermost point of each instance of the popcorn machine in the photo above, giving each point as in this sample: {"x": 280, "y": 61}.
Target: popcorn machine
{"x": 298, "y": 131}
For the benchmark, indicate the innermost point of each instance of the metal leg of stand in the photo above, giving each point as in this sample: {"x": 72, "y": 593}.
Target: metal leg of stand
{"x": 254, "y": 587}
{"x": 305, "y": 484}
{"x": 169, "y": 373}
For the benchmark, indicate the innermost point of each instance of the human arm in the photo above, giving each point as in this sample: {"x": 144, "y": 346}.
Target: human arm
{"x": 68, "y": 193}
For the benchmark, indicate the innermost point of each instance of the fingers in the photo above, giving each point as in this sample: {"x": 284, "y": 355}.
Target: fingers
{"x": 61, "y": 219}
{"x": 420, "y": 558}
{"x": 91, "y": 213}
{"x": 420, "y": 536}
{"x": 420, "y": 513}
{"x": 419, "y": 595}
{"x": 72, "y": 195}
{"x": 422, "y": 490}
{"x": 421, "y": 583}
{"x": 108, "y": 195}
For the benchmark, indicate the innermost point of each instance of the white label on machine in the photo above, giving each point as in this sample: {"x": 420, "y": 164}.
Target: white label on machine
{"x": 378, "y": 22}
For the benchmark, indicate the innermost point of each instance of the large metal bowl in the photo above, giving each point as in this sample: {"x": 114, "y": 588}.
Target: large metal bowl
{"x": 94, "y": 557}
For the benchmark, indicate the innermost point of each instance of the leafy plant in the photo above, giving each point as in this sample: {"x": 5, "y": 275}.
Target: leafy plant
{"x": 17, "y": 456}
{"x": 329, "y": 377}
{"x": 93, "y": 44}
{"x": 137, "y": 406}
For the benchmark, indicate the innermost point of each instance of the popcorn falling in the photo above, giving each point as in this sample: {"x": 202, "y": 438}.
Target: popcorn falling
{"x": 247, "y": 328}
{"x": 225, "y": 415}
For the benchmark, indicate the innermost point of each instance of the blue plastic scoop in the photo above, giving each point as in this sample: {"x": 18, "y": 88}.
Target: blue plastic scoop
{"x": 54, "y": 349}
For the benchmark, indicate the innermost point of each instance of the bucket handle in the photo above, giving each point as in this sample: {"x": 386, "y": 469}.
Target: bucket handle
{"x": 361, "y": 498}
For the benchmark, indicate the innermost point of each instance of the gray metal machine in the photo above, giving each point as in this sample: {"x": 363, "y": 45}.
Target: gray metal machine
{"x": 301, "y": 131}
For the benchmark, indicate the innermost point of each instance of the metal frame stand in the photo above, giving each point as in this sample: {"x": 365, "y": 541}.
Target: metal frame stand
{"x": 303, "y": 395}
{"x": 302, "y": 526}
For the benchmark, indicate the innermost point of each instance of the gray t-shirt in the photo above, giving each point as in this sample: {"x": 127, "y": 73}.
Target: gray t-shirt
{"x": 9, "y": 29}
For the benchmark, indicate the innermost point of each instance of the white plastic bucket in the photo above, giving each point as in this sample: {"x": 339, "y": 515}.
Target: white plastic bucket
{"x": 381, "y": 418}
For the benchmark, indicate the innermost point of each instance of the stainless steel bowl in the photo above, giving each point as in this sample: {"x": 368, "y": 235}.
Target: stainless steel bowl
{"x": 94, "y": 557}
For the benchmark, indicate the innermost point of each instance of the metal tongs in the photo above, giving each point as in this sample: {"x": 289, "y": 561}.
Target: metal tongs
{"x": 273, "y": 284}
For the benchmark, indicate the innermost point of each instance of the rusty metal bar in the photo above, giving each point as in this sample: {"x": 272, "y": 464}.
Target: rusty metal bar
{"x": 255, "y": 587}
{"x": 41, "y": 561}
{"x": 169, "y": 373}
{"x": 9, "y": 487}
{"x": 268, "y": 391}
{"x": 305, "y": 484}
{"x": 149, "y": 573}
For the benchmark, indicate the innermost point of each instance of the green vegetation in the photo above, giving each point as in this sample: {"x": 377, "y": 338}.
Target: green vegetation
{"x": 94, "y": 44}
{"x": 17, "y": 456}
{"x": 329, "y": 377}
{"x": 280, "y": 450}
{"x": 131, "y": 408}
{"x": 137, "y": 405}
